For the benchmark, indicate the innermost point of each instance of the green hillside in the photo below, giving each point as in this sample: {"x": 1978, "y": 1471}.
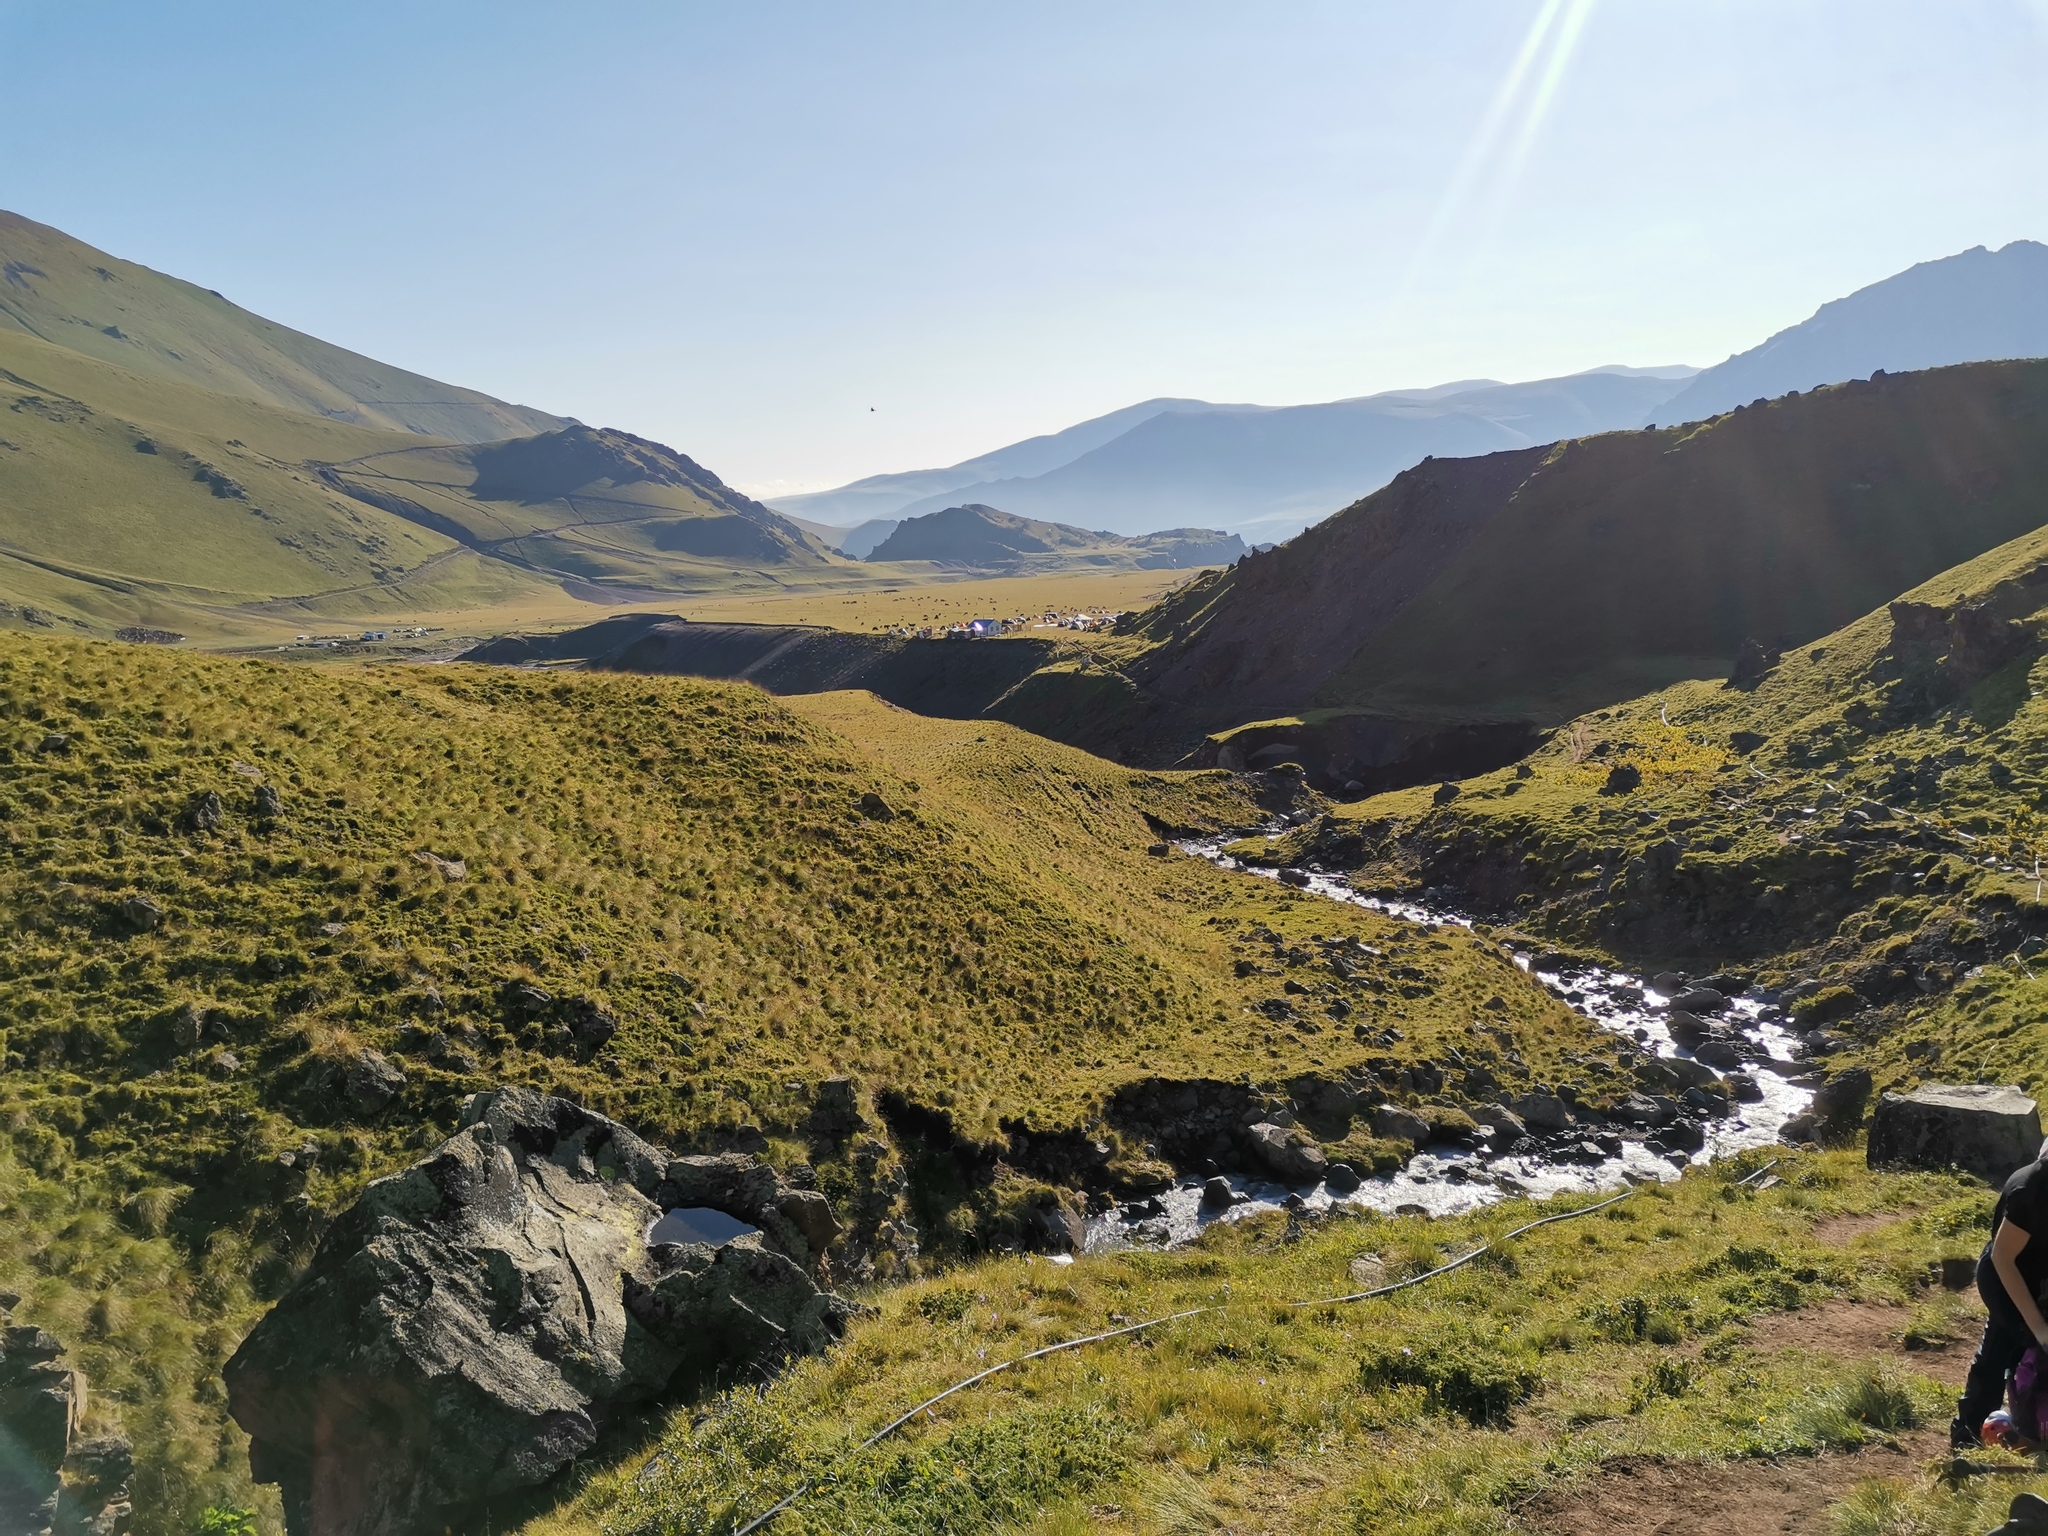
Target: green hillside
{"x": 964, "y": 917}
{"x": 64, "y": 292}
{"x": 595, "y": 506}
{"x": 979, "y": 538}
{"x": 1538, "y": 584}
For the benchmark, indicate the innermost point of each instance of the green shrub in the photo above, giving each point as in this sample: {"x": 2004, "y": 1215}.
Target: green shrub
{"x": 1475, "y": 1381}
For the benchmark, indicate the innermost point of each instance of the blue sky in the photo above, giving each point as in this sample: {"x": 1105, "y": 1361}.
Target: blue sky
{"x": 805, "y": 242}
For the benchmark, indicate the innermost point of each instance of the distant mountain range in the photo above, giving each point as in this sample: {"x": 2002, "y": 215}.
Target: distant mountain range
{"x": 1265, "y": 472}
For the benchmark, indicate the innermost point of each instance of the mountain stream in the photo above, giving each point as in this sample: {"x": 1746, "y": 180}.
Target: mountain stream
{"x": 1444, "y": 1180}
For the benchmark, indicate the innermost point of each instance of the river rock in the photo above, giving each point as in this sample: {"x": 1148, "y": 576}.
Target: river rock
{"x": 1393, "y": 1123}
{"x": 1701, "y": 1000}
{"x": 1642, "y": 1109}
{"x": 1688, "y": 1029}
{"x": 1984, "y": 1130}
{"x": 1062, "y": 1230}
{"x": 471, "y": 1325}
{"x": 1217, "y": 1195}
{"x": 1543, "y": 1113}
{"x": 1342, "y": 1179}
{"x": 1288, "y": 1152}
{"x": 1719, "y": 1054}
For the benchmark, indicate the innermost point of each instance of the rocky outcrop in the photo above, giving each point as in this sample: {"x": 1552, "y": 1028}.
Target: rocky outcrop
{"x": 1983, "y": 1130}
{"x": 1288, "y": 1153}
{"x": 53, "y": 1477}
{"x": 472, "y": 1324}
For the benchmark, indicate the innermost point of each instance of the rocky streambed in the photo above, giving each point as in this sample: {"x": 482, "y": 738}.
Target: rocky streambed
{"x": 1734, "y": 1068}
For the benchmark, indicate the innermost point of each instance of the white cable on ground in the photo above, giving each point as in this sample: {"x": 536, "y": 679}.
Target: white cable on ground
{"x": 897, "y": 1423}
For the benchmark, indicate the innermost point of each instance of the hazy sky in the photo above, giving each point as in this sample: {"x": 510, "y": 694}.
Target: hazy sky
{"x": 805, "y": 242}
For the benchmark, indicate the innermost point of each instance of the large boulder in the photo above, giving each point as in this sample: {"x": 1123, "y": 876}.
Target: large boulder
{"x": 1983, "y": 1130}
{"x": 1289, "y": 1153}
{"x": 472, "y": 1324}
{"x": 52, "y": 1478}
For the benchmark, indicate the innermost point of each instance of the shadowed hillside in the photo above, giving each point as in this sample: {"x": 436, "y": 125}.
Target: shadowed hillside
{"x": 1530, "y": 586}
{"x": 62, "y": 291}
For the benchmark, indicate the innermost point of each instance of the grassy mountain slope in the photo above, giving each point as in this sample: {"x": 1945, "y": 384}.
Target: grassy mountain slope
{"x": 992, "y": 956}
{"x": 125, "y": 500}
{"x": 1538, "y": 584}
{"x": 975, "y": 537}
{"x": 1863, "y": 823}
{"x": 1965, "y": 308}
{"x": 596, "y": 506}
{"x": 64, "y": 292}
{"x": 1643, "y": 1333}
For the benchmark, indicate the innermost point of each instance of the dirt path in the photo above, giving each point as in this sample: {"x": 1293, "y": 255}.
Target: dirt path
{"x": 1649, "y": 1497}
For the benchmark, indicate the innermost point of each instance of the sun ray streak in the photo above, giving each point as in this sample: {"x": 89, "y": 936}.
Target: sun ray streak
{"x": 1479, "y": 147}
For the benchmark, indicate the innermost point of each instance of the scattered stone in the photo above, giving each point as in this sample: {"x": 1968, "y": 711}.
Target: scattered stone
{"x": 1288, "y": 1152}
{"x": 1445, "y": 793}
{"x": 55, "y": 744}
{"x": 1341, "y": 1179}
{"x": 836, "y": 1111}
{"x": 1543, "y": 1113}
{"x": 1298, "y": 878}
{"x": 372, "y": 1083}
{"x": 1159, "y": 850}
{"x": 1063, "y": 1230}
{"x": 1797, "y": 1131}
{"x": 1745, "y": 1088}
{"x": 269, "y": 805}
{"x": 1700, "y": 1000}
{"x": 1621, "y": 779}
{"x": 141, "y": 914}
{"x": 1842, "y": 1097}
{"x": 1641, "y": 1109}
{"x": 1718, "y": 1054}
{"x": 1368, "y": 1271}
{"x": 206, "y": 813}
{"x": 1688, "y": 1029}
{"x": 447, "y": 869}
{"x": 527, "y": 998}
{"x": 1217, "y": 1194}
{"x": 1753, "y": 662}
{"x": 501, "y": 1297}
{"x": 875, "y": 808}
{"x": 1670, "y": 983}
{"x": 1989, "y": 1131}
{"x": 1393, "y": 1123}
{"x": 589, "y": 1024}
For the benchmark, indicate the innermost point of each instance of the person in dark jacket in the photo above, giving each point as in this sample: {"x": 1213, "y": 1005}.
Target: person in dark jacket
{"x": 2010, "y": 1275}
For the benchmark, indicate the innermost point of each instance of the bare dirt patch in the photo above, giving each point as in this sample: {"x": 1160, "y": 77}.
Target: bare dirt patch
{"x": 1856, "y": 1330}
{"x": 1647, "y": 1497}
{"x": 1840, "y": 1231}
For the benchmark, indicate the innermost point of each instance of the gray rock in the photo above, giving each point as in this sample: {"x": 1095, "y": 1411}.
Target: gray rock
{"x": 268, "y": 804}
{"x": 1988, "y": 1131}
{"x": 836, "y": 1111}
{"x": 1670, "y": 983}
{"x": 1508, "y": 1127}
{"x": 1842, "y": 1097}
{"x": 1394, "y": 1123}
{"x": 55, "y": 744}
{"x": 1063, "y": 1230}
{"x": 1798, "y": 1130}
{"x": 1341, "y": 1179}
{"x": 141, "y": 914}
{"x": 372, "y": 1083}
{"x": 1641, "y": 1109}
{"x": 875, "y": 808}
{"x": 1691, "y": 1072}
{"x": 470, "y": 1326}
{"x": 206, "y": 813}
{"x": 1700, "y": 1000}
{"x": 1542, "y": 1112}
{"x": 1744, "y": 1088}
{"x": 52, "y": 1480}
{"x": 1288, "y": 1152}
{"x": 1217, "y": 1194}
{"x": 1718, "y": 1054}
